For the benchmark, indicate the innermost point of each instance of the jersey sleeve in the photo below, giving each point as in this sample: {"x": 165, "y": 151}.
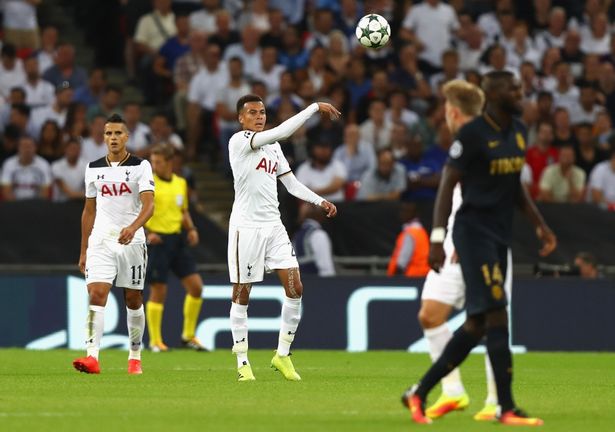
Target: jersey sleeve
{"x": 146, "y": 182}
{"x": 90, "y": 187}
{"x": 464, "y": 150}
{"x": 241, "y": 142}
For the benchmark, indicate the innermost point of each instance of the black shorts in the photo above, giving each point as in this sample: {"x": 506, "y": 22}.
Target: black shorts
{"x": 483, "y": 262}
{"x": 172, "y": 254}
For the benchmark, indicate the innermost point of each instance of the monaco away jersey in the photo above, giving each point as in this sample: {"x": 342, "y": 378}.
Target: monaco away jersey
{"x": 117, "y": 192}
{"x": 255, "y": 173}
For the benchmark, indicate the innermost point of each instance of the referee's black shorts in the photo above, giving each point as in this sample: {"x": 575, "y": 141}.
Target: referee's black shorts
{"x": 172, "y": 254}
{"x": 483, "y": 262}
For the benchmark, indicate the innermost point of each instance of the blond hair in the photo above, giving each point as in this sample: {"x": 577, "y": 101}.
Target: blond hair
{"x": 166, "y": 150}
{"x": 464, "y": 95}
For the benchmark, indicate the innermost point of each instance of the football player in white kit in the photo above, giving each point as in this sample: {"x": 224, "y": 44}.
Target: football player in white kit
{"x": 445, "y": 290}
{"x": 119, "y": 190}
{"x": 258, "y": 242}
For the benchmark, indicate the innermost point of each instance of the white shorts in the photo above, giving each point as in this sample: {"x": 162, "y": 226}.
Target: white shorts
{"x": 107, "y": 260}
{"x": 449, "y": 288}
{"x": 254, "y": 251}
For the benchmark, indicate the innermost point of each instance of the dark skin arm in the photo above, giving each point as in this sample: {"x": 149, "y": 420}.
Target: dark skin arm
{"x": 543, "y": 232}
{"x": 87, "y": 223}
{"x": 442, "y": 210}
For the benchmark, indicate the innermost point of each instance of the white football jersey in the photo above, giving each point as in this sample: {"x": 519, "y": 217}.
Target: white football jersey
{"x": 449, "y": 247}
{"x": 117, "y": 192}
{"x": 255, "y": 174}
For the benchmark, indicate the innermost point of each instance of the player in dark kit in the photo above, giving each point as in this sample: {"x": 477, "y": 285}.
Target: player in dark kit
{"x": 486, "y": 159}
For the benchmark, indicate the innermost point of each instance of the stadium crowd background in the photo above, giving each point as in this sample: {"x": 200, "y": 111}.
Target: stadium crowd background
{"x": 190, "y": 60}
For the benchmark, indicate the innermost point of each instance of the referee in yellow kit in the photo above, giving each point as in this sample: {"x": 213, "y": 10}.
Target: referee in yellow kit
{"x": 168, "y": 250}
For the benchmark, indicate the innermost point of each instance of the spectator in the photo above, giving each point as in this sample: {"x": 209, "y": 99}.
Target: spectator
{"x": 555, "y": 34}
{"x": 398, "y": 111}
{"x": 50, "y": 145}
{"x": 11, "y": 70}
{"x": 356, "y": 155}
{"x": 91, "y": 94}
{"x": 161, "y": 131}
{"x": 602, "y": 183}
{"x": 563, "y": 181}
{"x": 94, "y": 147}
{"x": 226, "y": 112}
{"x": 20, "y": 25}
{"x": 109, "y": 103}
{"x": 9, "y": 144}
{"x": 312, "y": 243}
{"x": 224, "y": 35}
{"x": 323, "y": 25}
{"x": 562, "y": 131}
{"x": 293, "y": 56}
{"x": 544, "y": 105}
{"x": 202, "y": 102}
{"x": 248, "y": 51}
{"x": 327, "y": 130}
{"x": 64, "y": 69}
{"x": 39, "y": 92}
{"x": 587, "y": 154}
{"x": 376, "y": 130}
{"x": 588, "y": 265}
{"x": 154, "y": 28}
{"x": 423, "y": 173}
{"x": 69, "y": 173}
{"x": 185, "y": 69}
{"x": 357, "y": 82}
{"x": 175, "y": 46}
{"x": 270, "y": 72}
{"x": 76, "y": 124}
{"x": 529, "y": 81}
{"x": 385, "y": 182}
{"x": 450, "y": 70}
{"x": 137, "y": 130}
{"x": 596, "y": 39}
{"x": 256, "y": 15}
{"x": 275, "y": 35}
{"x": 603, "y": 130}
{"x": 204, "y": 19}
{"x": 25, "y": 175}
{"x": 56, "y": 111}
{"x": 431, "y": 26}
{"x": 541, "y": 154}
{"x": 47, "y": 53}
{"x": 471, "y": 48}
{"x": 316, "y": 69}
{"x": 407, "y": 75}
{"x": 20, "y": 119}
{"x": 522, "y": 48}
{"x": 17, "y": 96}
{"x": 571, "y": 52}
{"x": 586, "y": 109}
{"x": 411, "y": 247}
{"x": 322, "y": 174}
{"x": 286, "y": 95}
{"x": 338, "y": 57}
{"x": 496, "y": 61}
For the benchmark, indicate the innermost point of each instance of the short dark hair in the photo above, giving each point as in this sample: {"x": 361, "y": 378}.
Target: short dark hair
{"x": 247, "y": 98}
{"x": 9, "y": 50}
{"x": 494, "y": 79}
{"x": 22, "y": 109}
{"x": 116, "y": 118}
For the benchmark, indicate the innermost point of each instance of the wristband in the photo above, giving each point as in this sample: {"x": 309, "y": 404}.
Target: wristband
{"x": 437, "y": 235}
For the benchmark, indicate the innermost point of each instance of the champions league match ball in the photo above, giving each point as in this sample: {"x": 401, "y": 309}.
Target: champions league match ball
{"x": 373, "y": 31}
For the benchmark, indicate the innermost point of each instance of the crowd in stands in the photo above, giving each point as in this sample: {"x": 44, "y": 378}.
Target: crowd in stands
{"x": 192, "y": 59}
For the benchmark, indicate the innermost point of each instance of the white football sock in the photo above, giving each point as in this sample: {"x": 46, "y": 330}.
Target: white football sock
{"x": 437, "y": 338}
{"x": 135, "y": 320}
{"x": 94, "y": 326}
{"x": 239, "y": 328}
{"x": 492, "y": 391}
{"x": 291, "y": 315}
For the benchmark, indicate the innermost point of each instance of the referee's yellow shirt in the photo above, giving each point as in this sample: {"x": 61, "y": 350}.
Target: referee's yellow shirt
{"x": 170, "y": 200}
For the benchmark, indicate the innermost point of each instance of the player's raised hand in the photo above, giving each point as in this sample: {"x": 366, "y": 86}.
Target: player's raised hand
{"x": 436, "y": 256}
{"x": 329, "y": 208}
{"x": 126, "y": 235}
{"x": 548, "y": 239}
{"x": 327, "y": 108}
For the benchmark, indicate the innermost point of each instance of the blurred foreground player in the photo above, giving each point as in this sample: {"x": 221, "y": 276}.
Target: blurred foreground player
{"x": 168, "y": 250}
{"x": 257, "y": 240}
{"x": 486, "y": 158}
{"x": 119, "y": 190}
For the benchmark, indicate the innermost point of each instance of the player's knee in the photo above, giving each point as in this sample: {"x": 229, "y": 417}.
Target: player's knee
{"x": 429, "y": 320}
{"x": 133, "y": 298}
{"x": 98, "y": 297}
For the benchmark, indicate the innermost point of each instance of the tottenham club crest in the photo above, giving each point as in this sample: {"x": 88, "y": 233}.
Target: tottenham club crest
{"x": 127, "y": 175}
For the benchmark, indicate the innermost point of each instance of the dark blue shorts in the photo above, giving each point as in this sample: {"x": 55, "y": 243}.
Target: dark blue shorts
{"x": 173, "y": 254}
{"x": 483, "y": 262}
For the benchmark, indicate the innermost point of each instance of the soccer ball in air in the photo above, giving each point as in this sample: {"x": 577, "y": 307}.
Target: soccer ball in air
{"x": 373, "y": 31}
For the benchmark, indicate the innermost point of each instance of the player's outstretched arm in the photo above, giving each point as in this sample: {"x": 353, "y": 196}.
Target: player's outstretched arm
{"x": 442, "y": 210}
{"x": 87, "y": 223}
{"x": 290, "y": 126}
{"x": 543, "y": 232}
{"x": 147, "y": 210}
{"x": 301, "y": 191}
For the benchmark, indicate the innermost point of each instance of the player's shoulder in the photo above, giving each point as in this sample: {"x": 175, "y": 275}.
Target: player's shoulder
{"x": 133, "y": 160}
{"x": 519, "y": 125}
{"x": 472, "y": 129}
{"x": 242, "y": 136}
{"x": 99, "y": 163}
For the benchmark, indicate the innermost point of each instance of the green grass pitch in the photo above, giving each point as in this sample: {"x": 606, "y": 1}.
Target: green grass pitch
{"x": 189, "y": 391}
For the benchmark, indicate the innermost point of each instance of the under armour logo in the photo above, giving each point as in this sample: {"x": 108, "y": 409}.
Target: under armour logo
{"x": 240, "y": 341}
{"x": 127, "y": 174}
{"x": 249, "y": 270}
{"x": 291, "y": 333}
{"x": 135, "y": 344}
{"x": 89, "y": 341}
{"x": 98, "y": 177}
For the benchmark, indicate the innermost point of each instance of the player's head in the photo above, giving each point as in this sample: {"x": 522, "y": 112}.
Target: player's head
{"x": 162, "y": 159}
{"x": 503, "y": 91}
{"x": 116, "y": 134}
{"x": 464, "y": 101}
{"x": 251, "y": 113}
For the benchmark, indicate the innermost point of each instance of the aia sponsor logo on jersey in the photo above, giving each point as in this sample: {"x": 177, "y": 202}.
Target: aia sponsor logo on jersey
{"x": 115, "y": 189}
{"x": 267, "y": 165}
